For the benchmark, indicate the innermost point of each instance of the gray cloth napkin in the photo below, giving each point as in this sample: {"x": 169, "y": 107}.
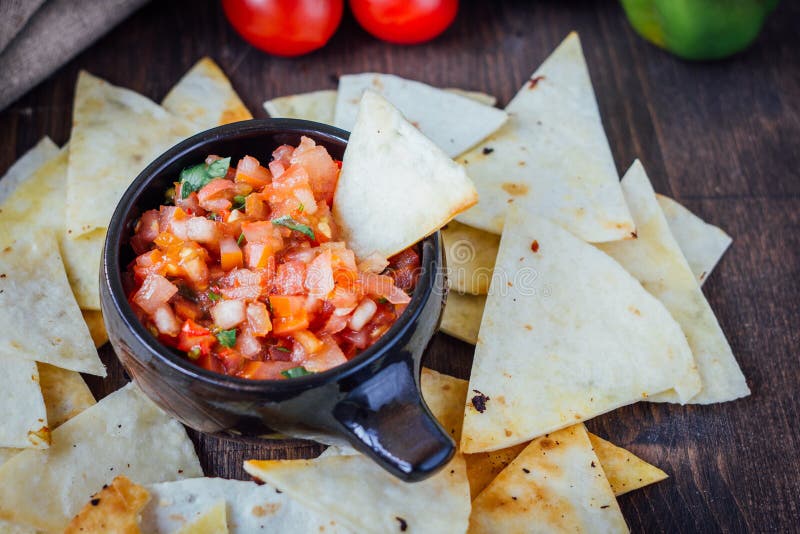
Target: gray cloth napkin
{"x": 38, "y": 41}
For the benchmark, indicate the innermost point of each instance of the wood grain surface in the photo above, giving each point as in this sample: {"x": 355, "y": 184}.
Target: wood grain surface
{"x": 723, "y": 138}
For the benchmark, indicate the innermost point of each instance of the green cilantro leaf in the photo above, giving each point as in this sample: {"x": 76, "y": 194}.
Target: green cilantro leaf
{"x": 227, "y": 338}
{"x": 291, "y": 224}
{"x": 296, "y": 372}
{"x": 214, "y": 297}
{"x": 219, "y": 168}
{"x": 282, "y": 349}
{"x": 193, "y": 179}
{"x": 301, "y": 208}
{"x": 239, "y": 241}
{"x": 238, "y": 202}
{"x": 194, "y": 353}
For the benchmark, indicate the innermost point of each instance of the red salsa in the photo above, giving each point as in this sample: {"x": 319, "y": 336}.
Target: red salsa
{"x": 243, "y": 270}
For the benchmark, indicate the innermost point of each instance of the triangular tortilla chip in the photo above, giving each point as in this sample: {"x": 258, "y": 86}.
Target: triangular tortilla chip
{"x": 205, "y": 97}
{"x": 656, "y": 260}
{"x": 250, "y": 507}
{"x": 65, "y": 394}
{"x": 702, "y": 244}
{"x": 320, "y": 106}
{"x": 114, "y": 437}
{"x": 555, "y": 485}
{"x": 317, "y": 106}
{"x": 375, "y": 500}
{"x": 97, "y": 327}
{"x": 567, "y": 335}
{"x": 116, "y": 133}
{"x": 393, "y": 173}
{"x": 461, "y": 317}
{"x": 625, "y": 471}
{"x": 445, "y": 395}
{"x": 470, "y": 255}
{"x": 23, "y": 417}
{"x": 552, "y": 157}
{"x": 214, "y": 521}
{"x": 453, "y": 122}
{"x": 39, "y": 318}
{"x": 114, "y": 509}
{"x": 26, "y": 165}
{"x": 478, "y": 96}
{"x": 37, "y": 202}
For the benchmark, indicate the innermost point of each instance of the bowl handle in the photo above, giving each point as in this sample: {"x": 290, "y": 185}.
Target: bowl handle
{"x": 386, "y": 419}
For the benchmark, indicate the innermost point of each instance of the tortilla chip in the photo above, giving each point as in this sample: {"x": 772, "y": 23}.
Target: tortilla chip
{"x": 552, "y": 157}
{"x": 114, "y": 509}
{"x": 116, "y": 133}
{"x": 453, "y": 122}
{"x": 97, "y": 327}
{"x": 205, "y": 97}
{"x": 477, "y": 96}
{"x": 39, "y": 318}
{"x": 214, "y": 521}
{"x": 655, "y": 259}
{"x": 65, "y": 394}
{"x": 393, "y": 173}
{"x": 470, "y": 255}
{"x": 26, "y": 165}
{"x": 571, "y": 335}
{"x": 461, "y": 317}
{"x": 702, "y": 244}
{"x": 250, "y": 507}
{"x": 12, "y": 528}
{"x": 317, "y": 106}
{"x": 114, "y": 437}
{"x": 23, "y": 416}
{"x": 483, "y": 467}
{"x": 556, "y": 484}
{"x": 445, "y": 396}
{"x": 320, "y": 106}
{"x": 438, "y": 504}
{"x": 82, "y": 258}
{"x": 625, "y": 471}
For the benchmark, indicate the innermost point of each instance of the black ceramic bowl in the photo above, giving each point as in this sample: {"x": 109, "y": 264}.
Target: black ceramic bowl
{"x": 373, "y": 401}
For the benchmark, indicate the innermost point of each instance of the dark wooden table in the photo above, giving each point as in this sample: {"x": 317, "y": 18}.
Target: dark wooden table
{"x": 723, "y": 138}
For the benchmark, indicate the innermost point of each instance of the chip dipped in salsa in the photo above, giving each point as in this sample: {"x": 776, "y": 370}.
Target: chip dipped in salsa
{"x": 243, "y": 270}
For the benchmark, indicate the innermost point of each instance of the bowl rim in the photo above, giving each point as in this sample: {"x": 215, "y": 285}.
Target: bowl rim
{"x": 111, "y": 272}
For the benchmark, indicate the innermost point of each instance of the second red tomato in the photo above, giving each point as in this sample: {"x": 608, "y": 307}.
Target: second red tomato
{"x": 405, "y": 21}
{"x": 285, "y": 27}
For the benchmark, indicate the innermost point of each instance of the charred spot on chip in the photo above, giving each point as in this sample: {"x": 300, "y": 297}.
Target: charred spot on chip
{"x": 533, "y": 82}
{"x": 95, "y": 501}
{"x": 605, "y": 506}
{"x": 535, "y": 246}
{"x": 403, "y": 524}
{"x": 526, "y": 470}
{"x": 479, "y": 401}
{"x": 593, "y": 464}
{"x": 487, "y": 150}
{"x": 634, "y": 235}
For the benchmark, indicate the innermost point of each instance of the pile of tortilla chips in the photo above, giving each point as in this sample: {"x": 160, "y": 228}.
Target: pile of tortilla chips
{"x": 580, "y": 292}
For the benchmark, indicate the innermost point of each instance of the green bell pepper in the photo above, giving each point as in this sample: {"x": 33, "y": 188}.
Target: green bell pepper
{"x": 699, "y": 29}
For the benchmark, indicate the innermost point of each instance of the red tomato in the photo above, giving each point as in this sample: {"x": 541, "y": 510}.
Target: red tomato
{"x": 285, "y": 27}
{"x": 405, "y": 21}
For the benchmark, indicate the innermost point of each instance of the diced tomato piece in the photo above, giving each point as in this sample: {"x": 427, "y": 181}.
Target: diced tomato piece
{"x": 283, "y": 154}
{"x": 289, "y": 314}
{"x": 190, "y": 204}
{"x": 265, "y": 370}
{"x": 258, "y": 319}
{"x": 309, "y": 341}
{"x": 381, "y": 285}
{"x": 193, "y": 336}
{"x": 319, "y": 275}
{"x": 243, "y": 284}
{"x": 289, "y": 278}
{"x": 343, "y": 298}
{"x": 405, "y": 267}
{"x": 229, "y": 253}
{"x": 259, "y": 231}
{"x": 146, "y": 231}
{"x": 255, "y": 206}
{"x": 216, "y": 195}
{"x": 258, "y": 255}
{"x": 374, "y": 263}
{"x": 154, "y": 293}
{"x": 203, "y": 231}
{"x": 250, "y": 171}
{"x": 329, "y": 356}
{"x": 323, "y": 173}
{"x": 232, "y": 360}
{"x": 210, "y": 362}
